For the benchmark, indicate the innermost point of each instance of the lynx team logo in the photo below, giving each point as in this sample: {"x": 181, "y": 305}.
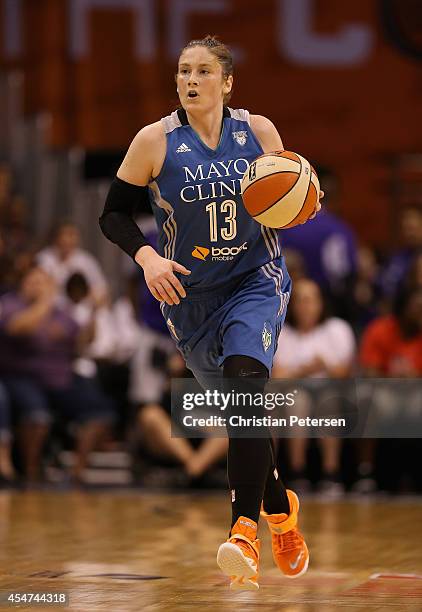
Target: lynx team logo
{"x": 266, "y": 336}
{"x": 240, "y": 137}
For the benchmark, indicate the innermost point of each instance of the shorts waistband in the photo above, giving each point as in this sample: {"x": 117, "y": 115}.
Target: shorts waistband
{"x": 194, "y": 294}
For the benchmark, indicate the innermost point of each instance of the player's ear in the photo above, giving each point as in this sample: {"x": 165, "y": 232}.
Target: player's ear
{"x": 228, "y": 84}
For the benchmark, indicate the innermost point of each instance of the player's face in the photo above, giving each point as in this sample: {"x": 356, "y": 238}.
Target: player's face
{"x": 201, "y": 84}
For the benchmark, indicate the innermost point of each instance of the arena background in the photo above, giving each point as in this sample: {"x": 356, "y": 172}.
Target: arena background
{"x": 78, "y": 79}
{"x": 341, "y": 81}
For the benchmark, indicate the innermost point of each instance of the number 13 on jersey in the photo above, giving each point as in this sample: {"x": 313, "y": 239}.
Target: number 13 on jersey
{"x": 229, "y": 231}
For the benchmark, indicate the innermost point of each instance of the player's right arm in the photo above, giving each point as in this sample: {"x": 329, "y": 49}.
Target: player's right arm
{"x": 142, "y": 162}
{"x": 270, "y": 140}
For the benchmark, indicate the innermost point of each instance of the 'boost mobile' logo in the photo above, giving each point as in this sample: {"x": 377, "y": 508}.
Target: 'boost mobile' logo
{"x": 227, "y": 253}
{"x": 200, "y": 252}
{"x": 219, "y": 253}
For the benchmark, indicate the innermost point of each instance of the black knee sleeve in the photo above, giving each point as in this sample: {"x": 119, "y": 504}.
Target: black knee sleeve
{"x": 240, "y": 366}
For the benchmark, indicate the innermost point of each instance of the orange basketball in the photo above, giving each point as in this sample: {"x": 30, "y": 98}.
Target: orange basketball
{"x": 280, "y": 189}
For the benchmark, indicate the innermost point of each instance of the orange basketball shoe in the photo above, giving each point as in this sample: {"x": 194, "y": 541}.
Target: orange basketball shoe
{"x": 239, "y": 556}
{"x": 290, "y": 552}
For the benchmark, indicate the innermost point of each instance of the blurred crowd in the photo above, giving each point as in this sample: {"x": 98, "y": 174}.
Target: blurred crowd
{"x": 92, "y": 372}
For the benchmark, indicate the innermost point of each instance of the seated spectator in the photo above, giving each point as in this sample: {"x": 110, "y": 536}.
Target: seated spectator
{"x": 13, "y": 264}
{"x": 366, "y": 291}
{"x": 7, "y": 472}
{"x": 16, "y": 226}
{"x": 414, "y": 275}
{"x": 328, "y": 247}
{"x": 116, "y": 375}
{"x": 398, "y": 266}
{"x": 295, "y": 264}
{"x": 104, "y": 359}
{"x": 314, "y": 345}
{"x": 154, "y": 419}
{"x": 98, "y": 318}
{"x": 391, "y": 347}
{"x": 126, "y": 323}
{"x": 65, "y": 256}
{"x": 38, "y": 343}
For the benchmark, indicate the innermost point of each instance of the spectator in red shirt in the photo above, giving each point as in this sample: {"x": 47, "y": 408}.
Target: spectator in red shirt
{"x": 392, "y": 348}
{"x": 392, "y": 345}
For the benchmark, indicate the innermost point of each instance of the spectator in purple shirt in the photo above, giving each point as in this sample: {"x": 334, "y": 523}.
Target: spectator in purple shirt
{"x": 328, "y": 247}
{"x": 400, "y": 263}
{"x": 38, "y": 341}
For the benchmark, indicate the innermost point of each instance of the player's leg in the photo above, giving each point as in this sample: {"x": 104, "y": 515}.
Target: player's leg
{"x": 248, "y": 464}
{"x": 251, "y": 461}
{"x": 289, "y": 549}
{"x": 251, "y": 329}
{"x": 275, "y": 498}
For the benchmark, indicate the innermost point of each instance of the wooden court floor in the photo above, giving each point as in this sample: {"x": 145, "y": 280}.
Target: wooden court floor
{"x": 129, "y": 551}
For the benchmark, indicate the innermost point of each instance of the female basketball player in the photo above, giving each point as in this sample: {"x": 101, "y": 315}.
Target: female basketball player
{"x": 219, "y": 276}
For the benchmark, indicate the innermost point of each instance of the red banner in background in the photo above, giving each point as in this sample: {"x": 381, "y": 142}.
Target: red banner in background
{"x": 341, "y": 81}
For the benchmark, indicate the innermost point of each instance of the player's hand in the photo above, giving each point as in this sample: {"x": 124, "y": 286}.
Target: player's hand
{"x": 160, "y": 277}
{"x": 318, "y": 206}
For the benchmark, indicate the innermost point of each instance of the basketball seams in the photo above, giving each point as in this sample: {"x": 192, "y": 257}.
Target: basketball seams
{"x": 262, "y": 178}
{"x": 257, "y": 180}
{"x": 296, "y": 168}
{"x": 284, "y": 154}
{"x": 284, "y": 195}
{"x": 271, "y": 218}
{"x": 315, "y": 181}
{"x": 304, "y": 202}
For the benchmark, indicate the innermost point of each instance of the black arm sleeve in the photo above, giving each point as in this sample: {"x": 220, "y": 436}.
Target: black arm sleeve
{"x": 117, "y": 222}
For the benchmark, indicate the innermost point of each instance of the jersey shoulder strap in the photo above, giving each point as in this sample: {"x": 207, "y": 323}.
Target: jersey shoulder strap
{"x": 239, "y": 114}
{"x": 171, "y": 122}
{"x": 178, "y": 118}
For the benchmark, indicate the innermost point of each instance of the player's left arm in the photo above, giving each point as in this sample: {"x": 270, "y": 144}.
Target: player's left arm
{"x": 270, "y": 140}
{"x": 266, "y": 133}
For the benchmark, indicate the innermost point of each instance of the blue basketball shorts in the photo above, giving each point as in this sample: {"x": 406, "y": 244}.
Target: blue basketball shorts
{"x": 242, "y": 317}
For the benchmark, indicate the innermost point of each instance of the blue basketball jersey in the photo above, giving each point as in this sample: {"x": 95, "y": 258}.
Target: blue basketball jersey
{"x": 198, "y": 206}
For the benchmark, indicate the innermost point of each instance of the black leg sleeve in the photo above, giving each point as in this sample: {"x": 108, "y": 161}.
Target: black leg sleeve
{"x": 250, "y": 461}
